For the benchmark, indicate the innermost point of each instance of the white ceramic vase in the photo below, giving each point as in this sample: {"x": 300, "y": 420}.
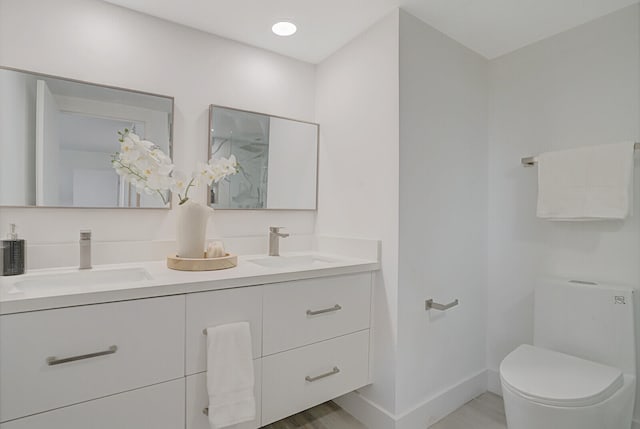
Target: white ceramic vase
{"x": 192, "y": 229}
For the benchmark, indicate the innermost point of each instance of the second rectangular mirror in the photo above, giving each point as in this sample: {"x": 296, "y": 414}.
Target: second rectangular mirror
{"x": 278, "y": 160}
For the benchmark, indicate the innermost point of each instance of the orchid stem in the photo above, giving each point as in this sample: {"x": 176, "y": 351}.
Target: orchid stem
{"x": 186, "y": 192}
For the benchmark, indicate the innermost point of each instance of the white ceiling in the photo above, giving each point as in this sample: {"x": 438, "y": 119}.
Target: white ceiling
{"x": 489, "y": 27}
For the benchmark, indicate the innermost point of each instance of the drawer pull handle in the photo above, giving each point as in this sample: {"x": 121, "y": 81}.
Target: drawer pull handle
{"x": 325, "y": 310}
{"x": 205, "y": 411}
{"x": 335, "y": 370}
{"x": 57, "y": 361}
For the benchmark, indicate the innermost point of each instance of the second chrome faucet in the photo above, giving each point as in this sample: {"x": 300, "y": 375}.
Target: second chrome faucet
{"x": 274, "y": 240}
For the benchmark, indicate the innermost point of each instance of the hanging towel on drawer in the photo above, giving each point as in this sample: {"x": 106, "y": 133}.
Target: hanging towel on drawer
{"x": 591, "y": 183}
{"x": 230, "y": 375}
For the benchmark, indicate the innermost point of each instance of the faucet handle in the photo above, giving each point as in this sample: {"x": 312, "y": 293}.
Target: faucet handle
{"x": 85, "y": 234}
{"x": 275, "y": 229}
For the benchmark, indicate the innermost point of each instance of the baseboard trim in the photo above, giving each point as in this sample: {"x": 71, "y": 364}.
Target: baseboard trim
{"x": 442, "y": 404}
{"x": 429, "y": 411}
{"x": 426, "y": 413}
{"x": 367, "y": 412}
{"x": 493, "y": 382}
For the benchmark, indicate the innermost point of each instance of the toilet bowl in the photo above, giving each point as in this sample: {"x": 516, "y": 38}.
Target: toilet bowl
{"x": 580, "y": 374}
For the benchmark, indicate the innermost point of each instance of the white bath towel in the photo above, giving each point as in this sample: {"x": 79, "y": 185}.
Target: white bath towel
{"x": 591, "y": 183}
{"x": 230, "y": 375}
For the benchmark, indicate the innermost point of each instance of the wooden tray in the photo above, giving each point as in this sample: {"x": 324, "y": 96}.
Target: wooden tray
{"x": 202, "y": 264}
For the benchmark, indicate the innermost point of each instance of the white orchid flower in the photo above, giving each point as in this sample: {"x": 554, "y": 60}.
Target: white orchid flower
{"x": 130, "y": 151}
{"x": 179, "y": 182}
{"x": 158, "y": 182}
{"x": 149, "y": 169}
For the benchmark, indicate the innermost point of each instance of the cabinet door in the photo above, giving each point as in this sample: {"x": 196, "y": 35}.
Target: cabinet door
{"x": 156, "y": 407}
{"x": 198, "y": 400}
{"x": 206, "y": 309}
{"x": 54, "y": 358}
{"x": 302, "y": 312}
{"x": 298, "y": 379}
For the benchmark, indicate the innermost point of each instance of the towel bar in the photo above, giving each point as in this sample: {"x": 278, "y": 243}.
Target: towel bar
{"x": 531, "y": 161}
{"x": 429, "y": 304}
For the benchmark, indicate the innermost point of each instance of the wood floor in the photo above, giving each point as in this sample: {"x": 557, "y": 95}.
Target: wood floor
{"x": 324, "y": 416}
{"x": 484, "y": 412}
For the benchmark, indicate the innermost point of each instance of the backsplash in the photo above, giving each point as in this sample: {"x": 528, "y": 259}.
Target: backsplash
{"x": 53, "y": 255}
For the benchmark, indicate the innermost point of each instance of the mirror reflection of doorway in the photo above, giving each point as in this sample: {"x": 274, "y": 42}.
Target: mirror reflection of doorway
{"x": 59, "y": 137}
{"x": 73, "y": 157}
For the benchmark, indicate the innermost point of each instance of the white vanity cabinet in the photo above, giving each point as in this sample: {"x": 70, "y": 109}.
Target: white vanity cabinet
{"x": 55, "y": 358}
{"x": 206, "y": 309}
{"x": 315, "y": 342}
{"x": 307, "y": 376}
{"x": 141, "y": 363}
{"x": 160, "y": 406}
{"x": 303, "y": 312}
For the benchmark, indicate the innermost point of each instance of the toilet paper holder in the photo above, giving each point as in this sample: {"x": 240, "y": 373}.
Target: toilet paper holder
{"x": 429, "y": 304}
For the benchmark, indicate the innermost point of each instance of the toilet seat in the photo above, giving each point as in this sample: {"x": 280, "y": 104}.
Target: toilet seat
{"x": 553, "y": 378}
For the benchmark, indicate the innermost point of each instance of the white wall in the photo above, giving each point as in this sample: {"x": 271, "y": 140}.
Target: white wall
{"x": 357, "y": 108}
{"x": 443, "y": 217}
{"x": 97, "y": 42}
{"x": 17, "y": 166}
{"x": 579, "y": 88}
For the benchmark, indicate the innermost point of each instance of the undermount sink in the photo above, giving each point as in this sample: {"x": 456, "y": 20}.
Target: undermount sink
{"x": 84, "y": 278}
{"x": 298, "y": 261}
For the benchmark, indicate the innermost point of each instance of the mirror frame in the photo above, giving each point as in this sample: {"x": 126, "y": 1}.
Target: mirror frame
{"x": 171, "y": 127}
{"x": 210, "y": 123}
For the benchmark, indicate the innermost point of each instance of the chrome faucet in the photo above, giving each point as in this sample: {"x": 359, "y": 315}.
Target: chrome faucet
{"x": 274, "y": 240}
{"x": 85, "y": 249}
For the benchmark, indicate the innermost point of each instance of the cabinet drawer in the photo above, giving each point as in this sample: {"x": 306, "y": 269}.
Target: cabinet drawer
{"x": 123, "y": 345}
{"x": 156, "y": 407}
{"x": 286, "y": 389}
{"x": 302, "y": 312}
{"x": 214, "y": 308}
{"x": 198, "y": 399}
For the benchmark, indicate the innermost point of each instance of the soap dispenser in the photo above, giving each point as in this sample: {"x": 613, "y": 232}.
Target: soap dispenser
{"x": 12, "y": 254}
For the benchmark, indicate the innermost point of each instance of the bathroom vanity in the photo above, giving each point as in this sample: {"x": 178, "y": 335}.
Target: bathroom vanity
{"x": 132, "y": 353}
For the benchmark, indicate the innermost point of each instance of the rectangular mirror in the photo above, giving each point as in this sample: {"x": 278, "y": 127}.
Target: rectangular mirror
{"x": 57, "y": 138}
{"x": 277, "y": 158}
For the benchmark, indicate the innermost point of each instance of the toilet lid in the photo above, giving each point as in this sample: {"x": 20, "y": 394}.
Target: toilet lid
{"x": 554, "y": 378}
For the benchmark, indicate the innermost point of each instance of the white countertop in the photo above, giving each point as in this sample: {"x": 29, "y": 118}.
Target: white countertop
{"x": 164, "y": 281}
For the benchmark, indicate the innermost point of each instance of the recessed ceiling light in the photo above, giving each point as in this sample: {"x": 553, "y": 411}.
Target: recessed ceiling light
{"x": 284, "y": 28}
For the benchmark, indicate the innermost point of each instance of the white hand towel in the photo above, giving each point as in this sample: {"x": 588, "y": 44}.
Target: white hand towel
{"x": 230, "y": 375}
{"x": 591, "y": 183}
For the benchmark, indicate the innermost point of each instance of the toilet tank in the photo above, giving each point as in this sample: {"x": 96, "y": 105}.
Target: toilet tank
{"x": 588, "y": 320}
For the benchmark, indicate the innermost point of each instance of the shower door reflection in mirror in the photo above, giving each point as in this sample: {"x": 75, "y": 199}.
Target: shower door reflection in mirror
{"x": 58, "y": 136}
{"x": 277, "y": 158}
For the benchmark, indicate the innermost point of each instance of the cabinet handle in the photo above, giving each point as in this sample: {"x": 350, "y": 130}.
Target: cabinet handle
{"x": 335, "y": 370}
{"x": 57, "y": 361}
{"x": 205, "y": 411}
{"x": 325, "y": 310}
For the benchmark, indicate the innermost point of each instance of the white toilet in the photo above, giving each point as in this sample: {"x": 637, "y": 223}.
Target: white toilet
{"x": 581, "y": 372}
